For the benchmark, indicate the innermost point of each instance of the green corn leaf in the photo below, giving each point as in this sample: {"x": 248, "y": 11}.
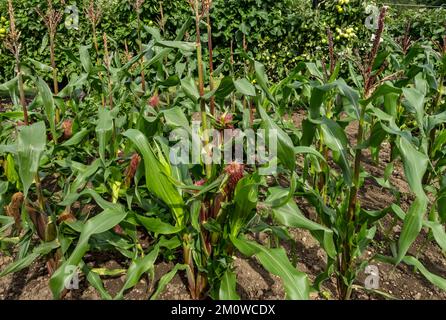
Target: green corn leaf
{"x": 314, "y": 70}
{"x": 318, "y": 94}
{"x": 388, "y": 91}
{"x": 171, "y": 81}
{"x": 437, "y": 228}
{"x": 348, "y": 92}
{"x": 165, "y": 279}
{"x": 415, "y": 165}
{"x": 281, "y": 196}
{"x": 336, "y": 140}
{"x": 9, "y": 86}
{"x": 6, "y": 222}
{"x": 83, "y": 174}
{"x": 228, "y": 287}
{"x": 48, "y": 104}
{"x": 93, "y": 194}
{"x": 435, "y": 120}
{"x": 296, "y": 283}
{"x": 109, "y": 272}
{"x": 433, "y": 278}
{"x": 441, "y": 200}
{"x": 181, "y": 45}
{"x": 39, "y": 66}
{"x": 190, "y": 88}
{"x": 244, "y": 87}
{"x": 158, "y": 226}
{"x": 391, "y": 101}
{"x": 438, "y": 143}
{"x": 172, "y": 243}
{"x": 20, "y": 264}
{"x": 438, "y": 232}
{"x": 11, "y": 173}
{"x": 137, "y": 269}
{"x": 245, "y": 198}
{"x": 85, "y": 59}
{"x": 290, "y": 215}
{"x": 317, "y": 98}
{"x": 157, "y": 174}
{"x": 31, "y": 143}
{"x": 176, "y": 118}
{"x": 285, "y": 146}
{"x": 95, "y": 281}
{"x": 311, "y": 151}
{"x": 104, "y": 130}
{"x": 13, "y": 115}
{"x": 194, "y": 213}
{"x": 76, "y": 139}
{"x": 262, "y": 80}
{"x": 411, "y": 227}
{"x": 3, "y": 189}
{"x": 75, "y": 82}
{"x": 415, "y": 99}
{"x": 98, "y": 224}
{"x": 225, "y": 88}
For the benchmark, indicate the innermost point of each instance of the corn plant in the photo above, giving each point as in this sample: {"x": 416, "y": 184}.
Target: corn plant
{"x": 341, "y": 210}
{"x": 13, "y": 44}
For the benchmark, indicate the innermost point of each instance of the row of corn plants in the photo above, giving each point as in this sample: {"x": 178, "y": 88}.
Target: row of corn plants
{"x": 95, "y": 166}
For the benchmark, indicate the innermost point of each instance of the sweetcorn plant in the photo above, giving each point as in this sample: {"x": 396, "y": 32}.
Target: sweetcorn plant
{"x": 345, "y": 228}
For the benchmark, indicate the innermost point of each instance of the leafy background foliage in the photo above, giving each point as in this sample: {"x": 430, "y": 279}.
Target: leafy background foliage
{"x": 277, "y": 33}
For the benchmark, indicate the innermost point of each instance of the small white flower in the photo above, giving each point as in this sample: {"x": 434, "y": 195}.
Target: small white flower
{"x": 373, "y": 38}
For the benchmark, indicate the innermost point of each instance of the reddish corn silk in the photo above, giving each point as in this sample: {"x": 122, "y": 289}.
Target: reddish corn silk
{"x": 131, "y": 170}
{"x": 154, "y": 101}
{"x": 134, "y": 163}
{"x": 200, "y": 182}
{"x": 67, "y": 127}
{"x": 118, "y": 229}
{"x": 226, "y": 120}
{"x": 235, "y": 171}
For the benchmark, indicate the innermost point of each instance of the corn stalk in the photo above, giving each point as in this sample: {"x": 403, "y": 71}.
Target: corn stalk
{"x": 52, "y": 18}
{"x": 13, "y": 44}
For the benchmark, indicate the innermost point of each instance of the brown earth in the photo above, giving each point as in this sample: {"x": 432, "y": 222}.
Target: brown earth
{"x": 253, "y": 282}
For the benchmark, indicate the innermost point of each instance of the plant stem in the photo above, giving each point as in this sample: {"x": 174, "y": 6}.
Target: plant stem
{"x": 433, "y": 133}
{"x": 188, "y": 260}
{"x": 322, "y": 176}
{"x": 347, "y": 258}
{"x": 143, "y": 81}
{"x": 107, "y": 65}
{"x": 201, "y": 86}
{"x": 232, "y": 74}
{"x": 53, "y": 66}
{"x": 357, "y": 169}
{"x": 14, "y": 46}
{"x": 40, "y": 197}
{"x": 369, "y": 81}
{"x": 98, "y": 61}
{"x": 22, "y": 91}
{"x": 211, "y": 63}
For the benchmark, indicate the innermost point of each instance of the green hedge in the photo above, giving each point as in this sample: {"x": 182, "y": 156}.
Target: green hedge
{"x": 278, "y": 32}
{"x": 119, "y": 22}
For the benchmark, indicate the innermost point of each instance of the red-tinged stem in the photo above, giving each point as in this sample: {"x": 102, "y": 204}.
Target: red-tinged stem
{"x": 143, "y": 80}
{"x": 211, "y": 63}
